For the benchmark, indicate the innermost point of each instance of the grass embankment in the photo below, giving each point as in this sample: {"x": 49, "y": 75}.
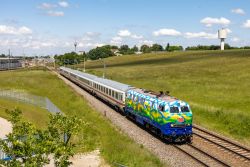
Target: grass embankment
{"x": 34, "y": 114}
{"x": 215, "y": 83}
{"x": 99, "y": 133}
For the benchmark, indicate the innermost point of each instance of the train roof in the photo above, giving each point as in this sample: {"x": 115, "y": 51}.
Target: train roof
{"x": 113, "y": 84}
{"x": 154, "y": 95}
{"x": 79, "y": 73}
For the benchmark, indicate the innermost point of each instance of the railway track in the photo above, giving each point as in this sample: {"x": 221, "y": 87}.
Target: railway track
{"x": 222, "y": 142}
{"x": 204, "y": 158}
{"x": 200, "y": 156}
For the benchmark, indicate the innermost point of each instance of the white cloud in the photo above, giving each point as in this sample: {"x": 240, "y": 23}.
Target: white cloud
{"x": 246, "y": 24}
{"x": 228, "y": 30}
{"x": 201, "y": 35}
{"x": 235, "y": 39}
{"x": 134, "y": 36}
{"x": 10, "y": 30}
{"x": 116, "y": 40}
{"x": 93, "y": 34}
{"x": 209, "y": 21}
{"x": 128, "y": 34}
{"x": 146, "y": 42}
{"x": 124, "y": 33}
{"x": 55, "y": 13}
{"x": 24, "y": 30}
{"x": 63, "y": 4}
{"x": 166, "y": 32}
{"x": 47, "y": 6}
{"x": 238, "y": 11}
{"x": 88, "y": 45}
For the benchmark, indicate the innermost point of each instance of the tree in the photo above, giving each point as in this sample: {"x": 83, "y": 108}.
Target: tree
{"x": 145, "y": 49}
{"x": 167, "y": 47}
{"x": 156, "y": 47}
{"x": 100, "y": 52}
{"x": 124, "y": 49}
{"x": 29, "y": 146}
{"x": 175, "y": 48}
{"x": 135, "y": 49}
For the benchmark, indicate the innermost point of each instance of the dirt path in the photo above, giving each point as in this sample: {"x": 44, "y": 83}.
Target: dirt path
{"x": 5, "y": 127}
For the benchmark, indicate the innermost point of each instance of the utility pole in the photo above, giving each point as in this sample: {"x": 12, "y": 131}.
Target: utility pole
{"x": 9, "y": 61}
{"x": 84, "y": 65}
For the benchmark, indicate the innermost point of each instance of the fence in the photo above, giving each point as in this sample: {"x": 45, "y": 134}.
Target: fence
{"x": 24, "y": 97}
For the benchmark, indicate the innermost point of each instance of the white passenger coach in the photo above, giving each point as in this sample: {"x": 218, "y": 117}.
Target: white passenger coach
{"x": 110, "y": 91}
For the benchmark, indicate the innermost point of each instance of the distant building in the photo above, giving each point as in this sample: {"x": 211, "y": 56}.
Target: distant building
{"x": 138, "y": 53}
{"x": 10, "y": 63}
{"x": 81, "y": 53}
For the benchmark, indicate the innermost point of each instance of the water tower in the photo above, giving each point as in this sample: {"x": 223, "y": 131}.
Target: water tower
{"x": 222, "y": 35}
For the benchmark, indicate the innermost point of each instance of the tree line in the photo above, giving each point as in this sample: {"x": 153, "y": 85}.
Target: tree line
{"x": 112, "y": 50}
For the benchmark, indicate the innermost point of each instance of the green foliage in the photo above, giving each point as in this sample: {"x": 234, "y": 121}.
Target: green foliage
{"x": 145, "y": 49}
{"x": 174, "y": 48}
{"x": 167, "y": 47}
{"x": 135, "y": 49}
{"x": 125, "y": 50}
{"x": 100, "y": 52}
{"x": 28, "y": 146}
{"x": 69, "y": 58}
{"x": 156, "y": 47}
{"x": 214, "y": 47}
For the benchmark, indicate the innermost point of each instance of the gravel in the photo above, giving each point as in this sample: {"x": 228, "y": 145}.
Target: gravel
{"x": 168, "y": 154}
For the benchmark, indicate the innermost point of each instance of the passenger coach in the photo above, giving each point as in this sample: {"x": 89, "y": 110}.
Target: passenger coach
{"x": 110, "y": 91}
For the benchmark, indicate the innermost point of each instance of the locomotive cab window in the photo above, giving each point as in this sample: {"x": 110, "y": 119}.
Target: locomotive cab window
{"x": 184, "y": 109}
{"x": 174, "y": 110}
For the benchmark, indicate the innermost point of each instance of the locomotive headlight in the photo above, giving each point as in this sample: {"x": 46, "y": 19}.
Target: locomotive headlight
{"x": 172, "y": 125}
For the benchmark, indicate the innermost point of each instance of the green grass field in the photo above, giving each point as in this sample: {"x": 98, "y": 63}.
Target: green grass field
{"x": 99, "y": 133}
{"x": 216, "y": 84}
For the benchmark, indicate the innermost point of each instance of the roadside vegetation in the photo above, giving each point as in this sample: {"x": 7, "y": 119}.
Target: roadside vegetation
{"x": 99, "y": 133}
{"x": 216, "y": 84}
{"x": 36, "y": 115}
{"x": 28, "y": 145}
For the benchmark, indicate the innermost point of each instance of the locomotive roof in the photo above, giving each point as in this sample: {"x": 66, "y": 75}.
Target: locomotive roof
{"x": 109, "y": 83}
{"x": 154, "y": 95}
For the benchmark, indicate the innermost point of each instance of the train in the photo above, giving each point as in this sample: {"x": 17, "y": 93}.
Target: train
{"x": 165, "y": 115}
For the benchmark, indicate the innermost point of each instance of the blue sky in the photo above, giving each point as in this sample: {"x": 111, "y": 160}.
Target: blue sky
{"x": 40, "y": 27}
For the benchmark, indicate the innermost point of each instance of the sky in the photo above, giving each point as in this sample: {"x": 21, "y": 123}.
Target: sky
{"x": 48, "y": 27}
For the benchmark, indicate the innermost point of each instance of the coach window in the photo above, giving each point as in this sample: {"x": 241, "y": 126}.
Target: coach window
{"x": 109, "y": 92}
{"x": 116, "y": 95}
{"x": 113, "y": 93}
{"x": 120, "y": 96}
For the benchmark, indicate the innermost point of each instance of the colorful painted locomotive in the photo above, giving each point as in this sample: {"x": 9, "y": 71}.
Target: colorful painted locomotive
{"x": 165, "y": 115}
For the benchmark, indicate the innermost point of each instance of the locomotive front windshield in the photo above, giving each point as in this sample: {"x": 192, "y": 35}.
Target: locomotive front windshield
{"x": 185, "y": 109}
{"x": 174, "y": 110}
